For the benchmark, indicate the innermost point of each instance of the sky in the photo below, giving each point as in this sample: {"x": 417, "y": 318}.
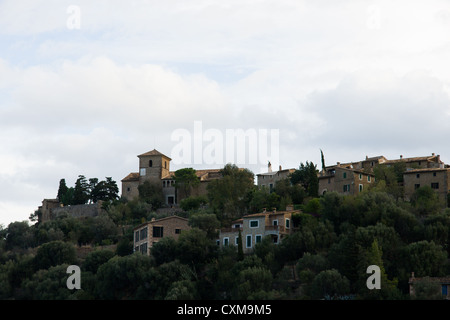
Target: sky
{"x": 86, "y": 86}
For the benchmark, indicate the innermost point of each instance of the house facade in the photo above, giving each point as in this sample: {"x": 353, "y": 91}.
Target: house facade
{"x": 270, "y": 178}
{"x": 254, "y": 227}
{"x": 148, "y": 233}
{"x": 437, "y": 178}
{"x": 344, "y": 179}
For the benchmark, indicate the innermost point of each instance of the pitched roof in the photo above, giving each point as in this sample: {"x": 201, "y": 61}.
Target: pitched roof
{"x": 203, "y": 175}
{"x": 426, "y": 158}
{"x": 134, "y": 176}
{"x": 154, "y": 152}
{"x": 425, "y": 170}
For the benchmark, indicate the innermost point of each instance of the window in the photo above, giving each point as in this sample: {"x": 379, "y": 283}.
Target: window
{"x": 143, "y": 248}
{"x": 177, "y": 231}
{"x": 236, "y": 241}
{"x": 346, "y": 188}
{"x": 258, "y": 238}
{"x": 128, "y": 189}
{"x": 416, "y": 186}
{"x": 344, "y": 175}
{"x": 236, "y": 226}
{"x": 360, "y": 176}
{"x": 435, "y": 185}
{"x": 368, "y": 178}
{"x": 165, "y": 164}
{"x": 275, "y": 222}
{"x": 254, "y": 223}
{"x": 226, "y": 241}
{"x": 144, "y": 233}
{"x": 434, "y": 174}
{"x": 271, "y": 187}
{"x": 329, "y": 180}
{"x": 150, "y": 163}
{"x": 248, "y": 241}
{"x": 360, "y": 188}
{"x": 158, "y": 232}
{"x": 136, "y": 236}
{"x": 142, "y": 172}
{"x": 288, "y": 223}
{"x": 418, "y": 175}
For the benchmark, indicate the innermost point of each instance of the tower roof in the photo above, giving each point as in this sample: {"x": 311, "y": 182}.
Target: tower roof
{"x": 154, "y": 152}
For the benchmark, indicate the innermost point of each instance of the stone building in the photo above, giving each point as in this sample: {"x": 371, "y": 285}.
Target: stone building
{"x": 344, "y": 180}
{"x": 270, "y": 178}
{"x": 354, "y": 177}
{"x": 148, "y": 233}
{"x": 155, "y": 167}
{"x": 52, "y": 208}
{"x": 254, "y": 227}
{"x": 437, "y": 178}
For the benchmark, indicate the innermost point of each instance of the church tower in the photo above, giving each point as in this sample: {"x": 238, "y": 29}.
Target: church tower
{"x": 153, "y": 166}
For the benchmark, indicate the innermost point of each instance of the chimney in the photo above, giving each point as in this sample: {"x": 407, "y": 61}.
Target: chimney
{"x": 412, "y": 274}
{"x": 269, "y": 167}
{"x": 274, "y": 210}
{"x": 433, "y": 154}
{"x": 401, "y": 156}
{"x": 264, "y": 210}
{"x": 290, "y": 207}
{"x": 338, "y": 164}
{"x": 367, "y": 157}
{"x": 280, "y": 168}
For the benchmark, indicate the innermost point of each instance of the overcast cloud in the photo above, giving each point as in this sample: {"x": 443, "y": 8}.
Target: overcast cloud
{"x": 352, "y": 78}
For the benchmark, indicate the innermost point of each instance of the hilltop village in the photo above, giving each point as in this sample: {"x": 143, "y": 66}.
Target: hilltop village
{"x": 299, "y": 233}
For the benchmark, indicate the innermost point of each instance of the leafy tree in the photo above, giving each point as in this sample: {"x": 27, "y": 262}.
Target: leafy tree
{"x": 330, "y": 283}
{"x": 95, "y": 259}
{"x": 207, "y": 222}
{"x": 123, "y": 277}
{"x": 193, "y": 203}
{"x": 165, "y": 250}
{"x": 262, "y": 198}
{"x": 81, "y": 191}
{"x": 425, "y": 201}
{"x": 54, "y": 253}
{"x": 62, "y": 190}
{"x": 306, "y": 175}
{"x": 182, "y": 290}
{"x": 152, "y": 194}
{"x": 424, "y": 258}
{"x": 185, "y": 180}
{"x": 19, "y": 234}
{"x": 390, "y": 178}
{"x": 227, "y": 196}
{"x": 195, "y": 248}
{"x": 48, "y": 284}
{"x": 254, "y": 281}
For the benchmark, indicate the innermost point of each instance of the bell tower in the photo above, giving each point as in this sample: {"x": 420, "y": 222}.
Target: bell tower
{"x": 153, "y": 166}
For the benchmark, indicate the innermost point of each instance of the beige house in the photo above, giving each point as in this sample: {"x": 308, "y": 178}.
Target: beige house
{"x": 155, "y": 167}
{"x": 148, "y": 233}
{"x": 254, "y": 227}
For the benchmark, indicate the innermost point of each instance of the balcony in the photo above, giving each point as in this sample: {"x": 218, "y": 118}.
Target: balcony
{"x": 275, "y": 229}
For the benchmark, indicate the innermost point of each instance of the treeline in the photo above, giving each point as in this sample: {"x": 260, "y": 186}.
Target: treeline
{"x": 336, "y": 238}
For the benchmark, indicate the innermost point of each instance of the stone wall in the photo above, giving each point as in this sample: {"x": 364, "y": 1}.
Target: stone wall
{"x": 78, "y": 211}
